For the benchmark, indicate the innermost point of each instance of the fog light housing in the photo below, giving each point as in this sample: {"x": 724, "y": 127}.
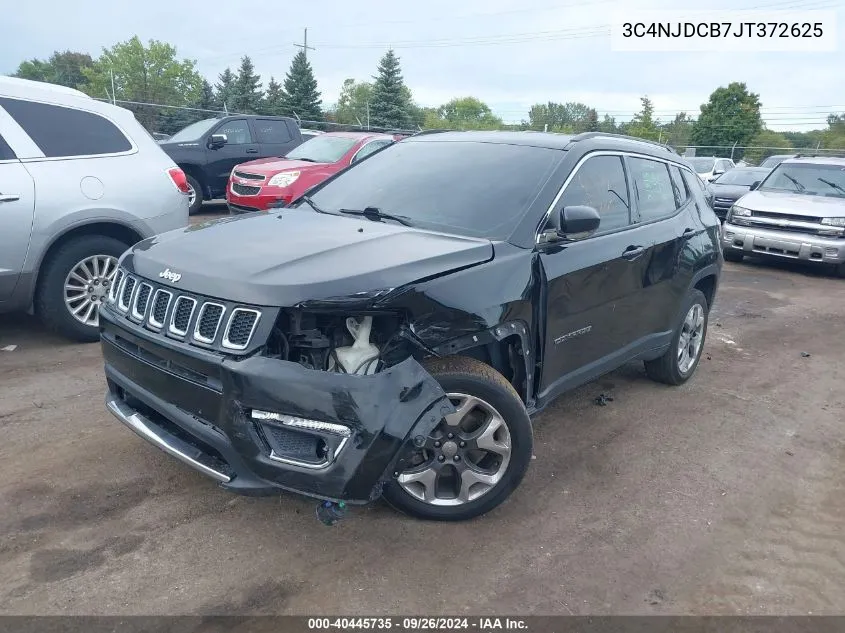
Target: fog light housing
{"x": 300, "y": 441}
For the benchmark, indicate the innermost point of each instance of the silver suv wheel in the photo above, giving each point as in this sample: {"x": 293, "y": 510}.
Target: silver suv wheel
{"x": 87, "y": 286}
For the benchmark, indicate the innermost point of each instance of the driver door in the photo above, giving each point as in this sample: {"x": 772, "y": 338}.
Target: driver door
{"x": 240, "y": 147}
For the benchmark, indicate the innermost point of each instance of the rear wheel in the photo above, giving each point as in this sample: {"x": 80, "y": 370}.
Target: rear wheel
{"x": 731, "y": 255}
{"x": 195, "y": 197}
{"x": 678, "y": 364}
{"x": 475, "y": 457}
{"x": 73, "y": 284}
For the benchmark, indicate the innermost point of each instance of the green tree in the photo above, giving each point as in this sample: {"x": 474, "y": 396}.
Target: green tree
{"x": 390, "y": 97}
{"x": 608, "y": 125}
{"x": 644, "y": 125}
{"x": 274, "y": 98}
{"x": 559, "y": 117}
{"x": 144, "y": 74}
{"x": 678, "y": 132}
{"x": 468, "y": 113}
{"x": 64, "y": 69}
{"x": 834, "y": 136}
{"x": 731, "y": 115}
{"x": 172, "y": 120}
{"x": 247, "y": 95}
{"x": 764, "y": 144}
{"x": 592, "y": 120}
{"x": 301, "y": 95}
{"x": 224, "y": 90}
{"x": 353, "y": 101}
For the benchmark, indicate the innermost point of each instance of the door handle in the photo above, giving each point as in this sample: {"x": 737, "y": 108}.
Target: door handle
{"x": 688, "y": 232}
{"x": 252, "y": 151}
{"x": 8, "y": 197}
{"x": 632, "y": 252}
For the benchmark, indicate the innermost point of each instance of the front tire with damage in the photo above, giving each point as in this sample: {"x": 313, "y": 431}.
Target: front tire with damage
{"x": 475, "y": 458}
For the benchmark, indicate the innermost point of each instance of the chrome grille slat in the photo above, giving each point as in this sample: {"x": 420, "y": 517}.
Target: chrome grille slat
{"x": 180, "y": 318}
{"x": 240, "y": 328}
{"x": 141, "y": 301}
{"x": 118, "y": 279}
{"x": 126, "y": 292}
{"x": 248, "y": 176}
{"x": 161, "y": 301}
{"x": 208, "y": 322}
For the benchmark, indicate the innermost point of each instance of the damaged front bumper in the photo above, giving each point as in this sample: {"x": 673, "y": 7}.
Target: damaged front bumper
{"x": 257, "y": 424}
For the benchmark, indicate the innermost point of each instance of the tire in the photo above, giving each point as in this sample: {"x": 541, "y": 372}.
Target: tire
{"x": 196, "y": 205}
{"x": 731, "y": 255}
{"x": 50, "y": 305}
{"x": 669, "y": 368}
{"x": 490, "y": 390}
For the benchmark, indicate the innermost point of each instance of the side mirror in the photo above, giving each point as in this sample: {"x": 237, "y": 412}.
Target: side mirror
{"x": 754, "y": 185}
{"x": 217, "y": 141}
{"x": 575, "y": 222}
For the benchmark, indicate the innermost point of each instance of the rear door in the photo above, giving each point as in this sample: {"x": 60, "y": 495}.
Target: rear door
{"x": 17, "y": 208}
{"x": 274, "y": 137}
{"x": 240, "y": 147}
{"x": 663, "y": 206}
{"x": 592, "y": 287}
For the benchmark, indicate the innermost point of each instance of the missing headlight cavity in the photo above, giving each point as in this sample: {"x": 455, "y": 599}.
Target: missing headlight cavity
{"x": 358, "y": 344}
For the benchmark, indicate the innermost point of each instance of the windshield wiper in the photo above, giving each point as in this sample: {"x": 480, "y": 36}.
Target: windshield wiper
{"x": 375, "y": 214}
{"x": 798, "y": 185}
{"x": 832, "y": 184}
{"x": 307, "y": 200}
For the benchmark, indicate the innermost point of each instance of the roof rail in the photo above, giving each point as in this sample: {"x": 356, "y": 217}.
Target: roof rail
{"x": 583, "y": 136}
{"x": 438, "y": 131}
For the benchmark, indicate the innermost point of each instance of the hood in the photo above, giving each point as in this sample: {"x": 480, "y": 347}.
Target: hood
{"x": 794, "y": 204}
{"x": 272, "y": 166}
{"x": 734, "y": 192}
{"x": 299, "y": 255}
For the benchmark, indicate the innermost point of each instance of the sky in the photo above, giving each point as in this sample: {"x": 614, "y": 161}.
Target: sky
{"x": 508, "y": 54}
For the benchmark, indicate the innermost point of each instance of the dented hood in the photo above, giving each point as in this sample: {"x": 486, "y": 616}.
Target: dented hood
{"x": 299, "y": 255}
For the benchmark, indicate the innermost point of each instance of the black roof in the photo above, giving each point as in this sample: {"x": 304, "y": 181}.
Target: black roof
{"x": 549, "y": 140}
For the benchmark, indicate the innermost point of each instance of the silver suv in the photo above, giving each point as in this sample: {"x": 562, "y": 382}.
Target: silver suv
{"x": 796, "y": 212}
{"x": 80, "y": 182}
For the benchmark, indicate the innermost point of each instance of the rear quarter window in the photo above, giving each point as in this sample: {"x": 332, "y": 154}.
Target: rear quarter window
{"x": 61, "y": 131}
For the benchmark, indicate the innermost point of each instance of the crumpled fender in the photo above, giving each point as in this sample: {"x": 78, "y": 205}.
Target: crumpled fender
{"x": 385, "y": 411}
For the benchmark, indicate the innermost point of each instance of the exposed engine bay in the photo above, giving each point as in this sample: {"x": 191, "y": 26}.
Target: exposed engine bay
{"x": 361, "y": 344}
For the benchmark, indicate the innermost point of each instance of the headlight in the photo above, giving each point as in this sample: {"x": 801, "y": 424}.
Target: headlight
{"x": 834, "y": 221}
{"x": 737, "y": 211}
{"x": 283, "y": 179}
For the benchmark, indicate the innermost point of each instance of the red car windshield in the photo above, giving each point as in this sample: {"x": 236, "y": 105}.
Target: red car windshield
{"x": 322, "y": 149}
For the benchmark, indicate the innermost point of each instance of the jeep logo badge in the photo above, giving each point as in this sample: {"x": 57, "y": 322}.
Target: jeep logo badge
{"x": 170, "y": 275}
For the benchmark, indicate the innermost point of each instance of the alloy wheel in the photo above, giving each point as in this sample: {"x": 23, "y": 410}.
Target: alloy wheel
{"x": 87, "y": 286}
{"x": 692, "y": 337}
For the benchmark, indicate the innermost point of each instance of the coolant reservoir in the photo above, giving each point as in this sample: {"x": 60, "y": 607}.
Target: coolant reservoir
{"x": 356, "y": 359}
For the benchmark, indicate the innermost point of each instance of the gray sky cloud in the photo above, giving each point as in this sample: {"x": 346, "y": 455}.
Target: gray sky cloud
{"x": 508, "y": 54}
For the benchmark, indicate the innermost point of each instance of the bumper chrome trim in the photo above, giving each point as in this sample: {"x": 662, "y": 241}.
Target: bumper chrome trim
{"x": 145, "y": 429}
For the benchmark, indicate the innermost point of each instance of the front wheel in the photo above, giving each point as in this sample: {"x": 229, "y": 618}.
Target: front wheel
{"x": 678, "y": 364}
{"x": 475, "y": 457}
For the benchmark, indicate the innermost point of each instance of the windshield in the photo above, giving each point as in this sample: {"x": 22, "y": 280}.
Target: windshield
{"x": 322, "y": 149}
{"x": 702, "y": 165}
{"x": 464, "y": 187}
{"x": 807, "y": 178}
{"x": 741, "y": 177}
{"x": 193, "y": 132}
{"x": 773, "y": 161}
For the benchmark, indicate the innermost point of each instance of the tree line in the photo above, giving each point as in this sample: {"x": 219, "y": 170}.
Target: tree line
{"x": 135, "y": 74}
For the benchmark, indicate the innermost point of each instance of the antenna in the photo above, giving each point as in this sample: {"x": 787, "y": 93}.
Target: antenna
{"x": 304, "y": 46}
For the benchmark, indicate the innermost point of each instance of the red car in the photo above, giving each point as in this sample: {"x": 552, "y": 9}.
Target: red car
{"x": 255, "y": 185}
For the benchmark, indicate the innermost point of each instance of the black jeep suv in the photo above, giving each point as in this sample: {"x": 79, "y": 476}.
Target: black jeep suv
{"x": 208, "y": 150}
{"x": 393, "y": 332}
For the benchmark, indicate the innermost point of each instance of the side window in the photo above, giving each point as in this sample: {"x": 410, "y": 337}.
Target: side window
{"x": 600, "y": 183}
{"x": 6, "y": 152}
{"x": 60, "y": 131}
{"x": 269, "y": 131}
{"x": 369, "y": 149}
{"x": 653, "y": 188}
{"x": 680, "y": 188}
{"x": 237, "y": 132}
{"x": 696, "y": 189}
{"x": 724, "y": 165}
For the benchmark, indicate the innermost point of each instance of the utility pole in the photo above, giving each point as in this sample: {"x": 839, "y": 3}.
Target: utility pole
{"x": 732, "y": 149}
{"x": 113, "y": 93}
{"x": 304, "y": 46}
{"x": 368, "y": 115}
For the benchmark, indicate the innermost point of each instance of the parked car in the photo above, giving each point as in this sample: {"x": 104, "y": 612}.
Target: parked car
{"x": 160, "y": 136}
{"x": 256, "y": 185}
{"x": 80, "y": 182}
{"x": 208, "y": 150}
{"x": 731, "y": 186}
{"x": 710, "y": 168}
{"x": 773, "y": 161}
{"x": 309, "y": 134}
{"x": 392, "y": 332}
{"x": 797, "y": 212}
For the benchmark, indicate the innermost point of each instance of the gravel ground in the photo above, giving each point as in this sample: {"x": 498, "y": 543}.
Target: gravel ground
{"x": 724, "y": 496}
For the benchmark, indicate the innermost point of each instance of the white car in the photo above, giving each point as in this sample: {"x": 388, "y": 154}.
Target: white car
{"x": 710, "y": 168}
